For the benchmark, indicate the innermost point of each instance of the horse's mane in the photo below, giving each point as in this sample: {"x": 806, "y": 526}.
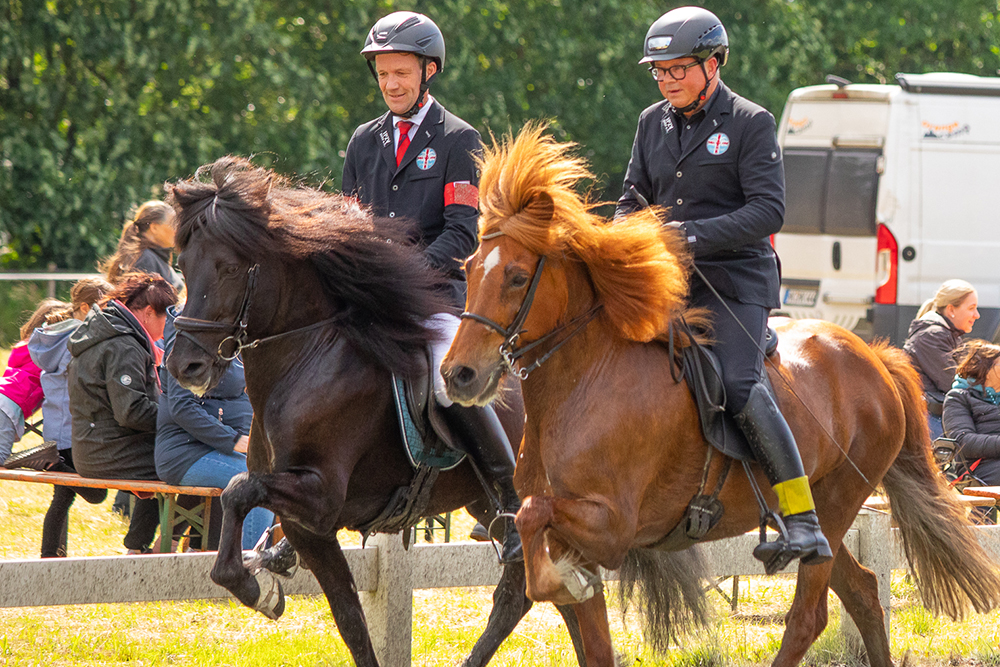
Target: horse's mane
{"x": 638, "y": 268}
{"x": 377, "y": 280}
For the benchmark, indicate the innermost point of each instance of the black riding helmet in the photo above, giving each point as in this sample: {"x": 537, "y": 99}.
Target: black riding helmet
{"x": 687, "y": 32}
{"x": 407, "y": 32}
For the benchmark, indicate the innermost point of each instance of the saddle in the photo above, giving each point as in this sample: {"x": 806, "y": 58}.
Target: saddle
{"x": 429, "y": 446}
{"x": 703, "y": 374}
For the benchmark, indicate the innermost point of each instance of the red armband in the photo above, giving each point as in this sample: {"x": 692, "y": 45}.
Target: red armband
{"x": 461, "y": 192}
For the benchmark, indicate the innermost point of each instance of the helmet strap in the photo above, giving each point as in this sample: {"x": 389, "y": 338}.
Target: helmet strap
{"x": 702, "y": 96}
{"x": 425, "y": 84}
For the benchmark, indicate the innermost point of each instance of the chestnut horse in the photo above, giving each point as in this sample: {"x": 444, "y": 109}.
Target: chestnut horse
{"x": 325, "y": 303}
{"x": 613, "y": 451}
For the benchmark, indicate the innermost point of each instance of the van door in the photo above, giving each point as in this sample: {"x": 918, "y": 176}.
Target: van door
{"x": 827, "y": 244}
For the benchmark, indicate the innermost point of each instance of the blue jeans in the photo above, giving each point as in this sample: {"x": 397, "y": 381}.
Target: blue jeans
{"x": 216, "y": 469}
{"x": 934, "y": 423}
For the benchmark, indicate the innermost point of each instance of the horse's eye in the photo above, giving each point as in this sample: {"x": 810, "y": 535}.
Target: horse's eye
{"x": 230, "y": 269}
{"x": 518, "y": 280}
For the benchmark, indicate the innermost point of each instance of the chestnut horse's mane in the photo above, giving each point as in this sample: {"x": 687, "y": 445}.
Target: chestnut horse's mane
{"x": 639, "y": 269}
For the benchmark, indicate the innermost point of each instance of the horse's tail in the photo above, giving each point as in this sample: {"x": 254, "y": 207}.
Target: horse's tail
{"x": 951, "y": 569}
{"x": 670, "y": 596}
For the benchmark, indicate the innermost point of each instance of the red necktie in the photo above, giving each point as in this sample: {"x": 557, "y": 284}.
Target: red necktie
{"x": 404, "y": 140}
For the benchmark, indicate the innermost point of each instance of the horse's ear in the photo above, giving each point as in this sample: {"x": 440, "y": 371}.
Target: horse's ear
{"x": 541, "y": 206}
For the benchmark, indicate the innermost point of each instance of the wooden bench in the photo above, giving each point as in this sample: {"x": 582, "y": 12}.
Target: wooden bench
{"x": 171, "y": 514}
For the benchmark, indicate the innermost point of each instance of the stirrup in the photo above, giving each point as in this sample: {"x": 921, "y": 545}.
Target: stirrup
{"x": 497, "y": 544}
{"x": 778, "y": 554}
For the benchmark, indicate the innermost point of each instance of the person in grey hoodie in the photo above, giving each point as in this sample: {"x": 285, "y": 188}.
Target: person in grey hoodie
{"x": 114, "y": 391}
{"x": 48, "y": 347}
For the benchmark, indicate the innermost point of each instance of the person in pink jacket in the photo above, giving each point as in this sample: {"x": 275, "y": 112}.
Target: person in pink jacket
{"x": 20, "y": 386}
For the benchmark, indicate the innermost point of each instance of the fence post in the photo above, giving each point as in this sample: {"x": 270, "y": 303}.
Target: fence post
{"x": 52, "y": 283}
{"x": 875, "y": 550}
{"x": 389, "y": 608}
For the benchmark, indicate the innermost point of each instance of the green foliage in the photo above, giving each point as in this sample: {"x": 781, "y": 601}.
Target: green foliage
{"x": 102, "y": 102}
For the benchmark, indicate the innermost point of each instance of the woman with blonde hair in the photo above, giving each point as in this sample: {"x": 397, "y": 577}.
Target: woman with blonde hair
{"x": 146, "y": 244}
{"x": 933, "y": 338}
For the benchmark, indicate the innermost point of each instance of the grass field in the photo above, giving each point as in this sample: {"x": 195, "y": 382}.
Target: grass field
{"x": 446, "y": 622}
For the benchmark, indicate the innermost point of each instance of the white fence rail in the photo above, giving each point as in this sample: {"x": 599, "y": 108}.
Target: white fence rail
{"x": 386, "y": 575}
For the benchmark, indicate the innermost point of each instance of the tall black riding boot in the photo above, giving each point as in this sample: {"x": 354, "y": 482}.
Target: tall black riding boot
{"x": 484, "y": 439}
{"x": 774, "y": 447}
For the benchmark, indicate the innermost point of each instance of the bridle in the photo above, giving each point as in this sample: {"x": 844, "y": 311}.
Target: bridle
{"x": 237, "y": 330}
{"x": 511, "y": 334}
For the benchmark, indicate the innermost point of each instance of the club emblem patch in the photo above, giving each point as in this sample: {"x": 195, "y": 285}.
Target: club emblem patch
{"x": 426, "y": 159}
{"x": 125, "y": 380}
{"x": 717, "y": 144}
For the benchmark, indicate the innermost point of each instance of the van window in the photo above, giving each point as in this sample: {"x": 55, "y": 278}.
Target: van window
{"x": 830, "y": 191}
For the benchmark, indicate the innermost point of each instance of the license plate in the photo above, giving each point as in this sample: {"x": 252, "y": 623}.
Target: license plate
{"x": 800, "y": 293}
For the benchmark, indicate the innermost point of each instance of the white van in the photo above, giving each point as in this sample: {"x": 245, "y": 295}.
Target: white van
{"x": 890, "y": 191}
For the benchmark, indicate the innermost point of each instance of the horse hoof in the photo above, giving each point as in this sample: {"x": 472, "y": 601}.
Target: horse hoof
{"x": 271, "y": 600}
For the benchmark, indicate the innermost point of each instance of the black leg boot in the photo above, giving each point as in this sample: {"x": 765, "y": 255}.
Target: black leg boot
{"x": 774, "y": 447}
{"x": 481, "y": 434}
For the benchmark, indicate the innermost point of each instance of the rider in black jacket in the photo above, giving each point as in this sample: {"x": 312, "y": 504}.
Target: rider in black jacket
{"x": 417, "y": 161}
{"x": 712, "y": 158}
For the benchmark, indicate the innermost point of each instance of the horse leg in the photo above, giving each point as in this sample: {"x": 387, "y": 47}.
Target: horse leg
{"x": 325, "y": 558}
{"x": 510, "y": 604}
{"x": 568, "y": 613}
{"x": 808, "y": 616}
{"x": 291, "y": 495}
{"x": 857, "y": 588}
{"x": 595, "y": 632}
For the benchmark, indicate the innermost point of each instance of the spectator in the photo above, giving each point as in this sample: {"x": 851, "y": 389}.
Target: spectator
{"x": 20, "y": 386}
{"x": 114, "y": 391}
{"x": 49, "y": 350}
{"x": 202, "y": 441}
{"x": 146, "y": 244}
{"x": 972, "y": 411}
{"x": 933, "y": 338}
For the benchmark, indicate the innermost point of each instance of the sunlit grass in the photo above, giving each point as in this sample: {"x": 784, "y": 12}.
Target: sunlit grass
{"x": 446, "y": 622}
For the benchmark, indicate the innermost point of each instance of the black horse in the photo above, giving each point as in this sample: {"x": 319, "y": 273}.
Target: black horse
{"x": 325, "y": 304}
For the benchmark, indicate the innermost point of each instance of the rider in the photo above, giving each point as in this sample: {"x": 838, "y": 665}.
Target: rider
{"x": 417, "y": 161}
{"x": 711, "y": 156}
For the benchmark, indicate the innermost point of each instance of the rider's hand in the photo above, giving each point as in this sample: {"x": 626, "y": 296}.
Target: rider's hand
{"x": 242, "y": 444}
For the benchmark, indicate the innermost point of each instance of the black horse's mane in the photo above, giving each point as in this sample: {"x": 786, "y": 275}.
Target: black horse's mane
{"x": 378, "y": 281}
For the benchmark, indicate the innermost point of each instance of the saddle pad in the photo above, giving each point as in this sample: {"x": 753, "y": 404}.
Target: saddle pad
{"x": 429, "y": 450}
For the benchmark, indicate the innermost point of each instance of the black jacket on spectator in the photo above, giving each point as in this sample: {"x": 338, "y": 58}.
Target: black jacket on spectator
{"x": 113, "y": 396}
{"x": 974, "y": 423}
{"x": 931, "y": 344}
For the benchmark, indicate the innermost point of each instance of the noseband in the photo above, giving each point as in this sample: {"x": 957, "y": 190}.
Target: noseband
{"x": 508, "y": 350}
{"x": 237, "y": 330}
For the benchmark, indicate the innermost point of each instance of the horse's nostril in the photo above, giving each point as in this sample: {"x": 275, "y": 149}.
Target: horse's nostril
{"x": 464, "y": 376}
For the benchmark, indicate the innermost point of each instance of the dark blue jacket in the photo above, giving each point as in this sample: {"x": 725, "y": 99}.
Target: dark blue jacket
{"x": 189, "y": 427}
{"x": 726, "y": 185}
{"x": 437, "y": 174}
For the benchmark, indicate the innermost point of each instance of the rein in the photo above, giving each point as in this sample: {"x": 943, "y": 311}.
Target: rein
{"x": 237, "y": 330}
{"x": 511, "y": 334}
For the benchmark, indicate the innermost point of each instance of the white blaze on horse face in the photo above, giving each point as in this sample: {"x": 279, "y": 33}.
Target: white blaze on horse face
{"x": 491, "y": 261}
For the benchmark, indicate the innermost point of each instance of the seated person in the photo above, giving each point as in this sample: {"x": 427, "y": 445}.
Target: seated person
{"x": 933, "y": 337}
{"x": 114, "y": 391}
{"x": 21, "y": 386}
{"x": 972, "y": 411}
{"x": 49, "y": 350}
{"x": 202, "y": 441}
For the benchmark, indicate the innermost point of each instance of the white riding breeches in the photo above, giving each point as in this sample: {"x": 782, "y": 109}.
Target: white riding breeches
{"x": 446, "y": 325}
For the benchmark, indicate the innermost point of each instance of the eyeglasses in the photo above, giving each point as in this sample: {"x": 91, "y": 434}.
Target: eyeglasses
{"x": 677, "y": 72}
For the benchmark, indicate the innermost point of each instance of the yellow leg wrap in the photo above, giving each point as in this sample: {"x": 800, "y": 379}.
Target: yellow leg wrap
{"x": 794, "y": 496}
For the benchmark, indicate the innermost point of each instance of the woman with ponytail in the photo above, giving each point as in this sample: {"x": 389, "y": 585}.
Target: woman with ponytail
{"x": 146, "y": 244}
{"x": 933, "y": 338}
